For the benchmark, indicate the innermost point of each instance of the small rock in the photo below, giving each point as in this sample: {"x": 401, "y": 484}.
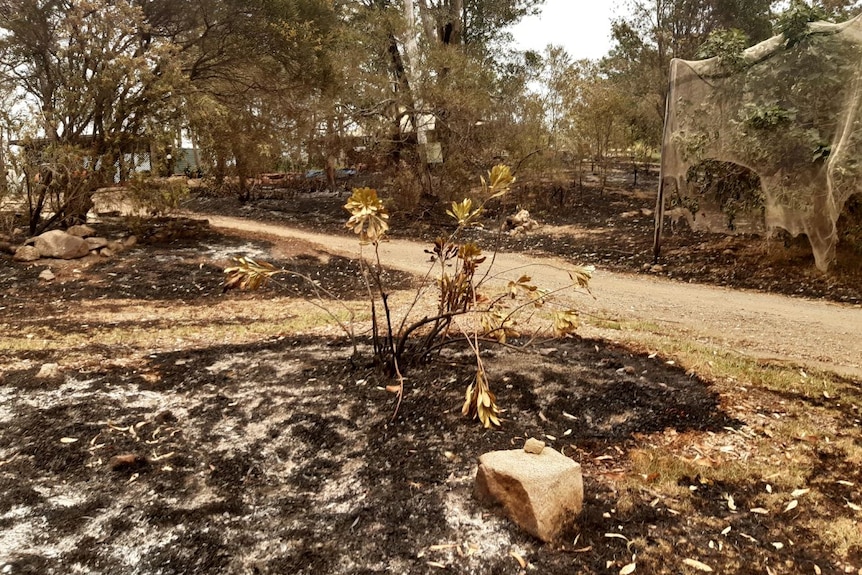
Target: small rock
{"x": 534, "y": 446}
{"x": 656, "y": 269}
{"x": 59, "y": 244}
{"x": 542, "y": 493}
{"x": 629, "y": 370}
{"x": 130, "y": 241}
{"x": 47, "y": 275}
{"x": 106, "y": 252}
{"x": 96, "y": 243}
{"x": 26, "y": 254}
{"x": 81, "y": 231}
{"x": 48, "y": 371}
{"x": 128, "y": 462}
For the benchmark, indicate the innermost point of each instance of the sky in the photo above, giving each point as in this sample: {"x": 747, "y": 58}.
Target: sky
{"x": 582, "y": 27}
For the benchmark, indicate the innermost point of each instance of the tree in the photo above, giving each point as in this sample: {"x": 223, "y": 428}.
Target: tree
{"x": 428, "y": 83}
{"x": 658, "y": 30}
{"x": 96, "y": 81}
{"x": 253, "y": 66}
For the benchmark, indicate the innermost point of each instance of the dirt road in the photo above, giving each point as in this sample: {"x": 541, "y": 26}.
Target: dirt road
{"x": 807, "y": 332}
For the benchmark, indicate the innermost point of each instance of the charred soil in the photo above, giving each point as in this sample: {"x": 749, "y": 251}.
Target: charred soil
{"x": 171, "y": 439}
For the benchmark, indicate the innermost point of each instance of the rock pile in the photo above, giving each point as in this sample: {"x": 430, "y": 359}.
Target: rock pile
{"x": 76, "y": 242}
{"x": 520, "y": 223}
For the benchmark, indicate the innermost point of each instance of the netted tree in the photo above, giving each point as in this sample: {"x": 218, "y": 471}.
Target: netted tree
{"x": 786, "y": 109}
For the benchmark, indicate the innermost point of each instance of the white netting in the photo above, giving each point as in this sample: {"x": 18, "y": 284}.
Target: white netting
{"x": 791, "y": 112}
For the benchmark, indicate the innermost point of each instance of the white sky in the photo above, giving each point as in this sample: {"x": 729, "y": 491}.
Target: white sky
{"x": 582, "y": 27}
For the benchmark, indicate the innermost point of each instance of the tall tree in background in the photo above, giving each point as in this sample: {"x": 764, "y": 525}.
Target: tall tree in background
{"x": 96, "y": 81}
{"x": 441, "y": 82}
{"x": 252, "y": 67}
{"x": 658, "y": 30}
{"x": 87, "y": 68}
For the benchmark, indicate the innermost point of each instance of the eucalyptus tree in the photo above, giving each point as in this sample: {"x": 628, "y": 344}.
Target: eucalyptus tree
{"x": 95, "y": 81}
{"x": 430, "y": 82}
{"x": 253, "y": 68}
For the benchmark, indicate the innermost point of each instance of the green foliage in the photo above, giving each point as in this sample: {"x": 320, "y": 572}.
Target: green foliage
{"x": 734, "y": 189}
{"x": 728, "y": 46}
{"x": 766, "y": 116}
{"x": 793, "y": 23}
{"x": 87, "y": 71}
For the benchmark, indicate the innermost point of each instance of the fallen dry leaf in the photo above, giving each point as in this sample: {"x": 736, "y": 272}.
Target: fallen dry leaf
{"x": 730, "y": 503}
{"x": 698, "y": 565}
{"x": 759, "y": 511}
{"x": 68, "y": 439}
{"x": 519, "y": 559}
{"x": 799, "y": 492}
{"x": 617, "y": 536}
{"x": 792, "y": 505}
{"x": 628, "y": 569}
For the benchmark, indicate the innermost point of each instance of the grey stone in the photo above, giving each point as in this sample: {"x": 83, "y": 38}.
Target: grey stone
{"x": 81, "y": 231}
{"x": 96, "y": 243}
{"x": 47, "y": 275}
{"x": 59, "y": 244}
{"x": 542, "y": 493}
{"x": 26, "y": 254}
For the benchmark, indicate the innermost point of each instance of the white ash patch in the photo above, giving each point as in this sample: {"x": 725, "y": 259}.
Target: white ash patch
{"x": 221, "y": 252}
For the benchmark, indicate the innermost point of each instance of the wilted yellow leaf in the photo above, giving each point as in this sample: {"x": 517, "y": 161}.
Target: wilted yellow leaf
{"x": 500, "y": 178}
{"x": 367, "y": 215}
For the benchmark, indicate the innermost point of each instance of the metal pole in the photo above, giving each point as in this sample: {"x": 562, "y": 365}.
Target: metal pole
{"x": 659, "y": 207}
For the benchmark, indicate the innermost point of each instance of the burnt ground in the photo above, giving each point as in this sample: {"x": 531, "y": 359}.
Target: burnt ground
{"x": 611, "y": 228}
{"x": 279, "y": 454}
